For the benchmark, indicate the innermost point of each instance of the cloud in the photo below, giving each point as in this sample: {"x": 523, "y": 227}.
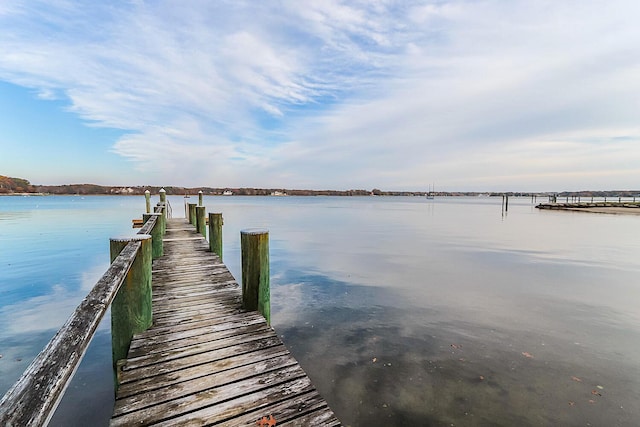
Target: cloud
{"x": 50, "y": 311}
{"x": 343, "y": 94}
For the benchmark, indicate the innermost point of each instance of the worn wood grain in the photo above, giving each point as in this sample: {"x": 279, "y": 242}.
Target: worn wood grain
{"x": 219, "y": 366}
{"x": 33, "y": 398}
{"x": 206, "y": 360}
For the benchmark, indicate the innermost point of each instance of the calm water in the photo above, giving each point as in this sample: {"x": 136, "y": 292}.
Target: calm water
{"x": 403, "y": 311}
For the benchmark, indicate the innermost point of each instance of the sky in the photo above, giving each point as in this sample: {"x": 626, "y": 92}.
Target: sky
{"x": 478, "y": 95}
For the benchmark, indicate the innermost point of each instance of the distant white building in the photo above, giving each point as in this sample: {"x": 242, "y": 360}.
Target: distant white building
{"x": 123, "y": 190}
{"x": 227, "y": 193}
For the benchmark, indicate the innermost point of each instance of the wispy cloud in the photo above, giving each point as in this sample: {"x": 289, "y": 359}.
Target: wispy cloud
{"x": 345, "y": 93}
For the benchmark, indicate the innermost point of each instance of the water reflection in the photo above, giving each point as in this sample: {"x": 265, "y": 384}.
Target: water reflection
{"x": 375, "y": 361}
{"x": 414, "y": 314}
{"x": 53, "y": 251}
{"x": 403, "y": 311}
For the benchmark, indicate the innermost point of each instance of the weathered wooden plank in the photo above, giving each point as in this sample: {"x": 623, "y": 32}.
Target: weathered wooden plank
{"x": 213, "y": 321}
{"x": 197, "y": 359}
{"x": 278, "y": 383}
{"x": 157, "y": 396}
{"x": 195, "y": 316}
{"x": 182, "y": 308}
{"x": 225, "y": 411}
{"x": 192, "y": 337}
{"x": 194, "y": 312}
{"x": 175, "y": 239}
{"x": 212, "y": 273}
{"x": 323, "y": 417}
{"x": 206, "y": 360}
{"x": 197, "y": 292}
{"x": 281, "y": 412}
{"x": 34, "y": 397}
{"x": 188, "y": 290}
{"x": 220, "y": 366}
{"x": 177, "y": 356}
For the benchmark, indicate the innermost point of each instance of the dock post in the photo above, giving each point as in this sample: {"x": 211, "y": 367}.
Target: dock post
{"x": 192, "y": 213}
{"x": 215, "y": 233}
{"x": 163, "y": 217}
{"x": 147, "y": 198}
{"x": 163, "y": 195}
{"x": 255, "y": 271}
{"x": 200, "y": 198}
{"x": 131, "y": 311}
{"x": 156, "y": 234}
{"x": 201, "y": 223}
{"x": 506, "y": 202}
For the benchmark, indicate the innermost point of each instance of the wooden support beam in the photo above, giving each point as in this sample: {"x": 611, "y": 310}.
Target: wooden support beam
{"x": 215, "y": 233}
{"x": 255, "y": 271}
{"x": 131, "y": 310}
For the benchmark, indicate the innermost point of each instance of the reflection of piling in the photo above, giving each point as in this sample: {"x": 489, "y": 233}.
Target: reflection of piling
{"x": 215, "y": 233}
{"x": 255, "y": 271}
{"x": 505, "y": 203}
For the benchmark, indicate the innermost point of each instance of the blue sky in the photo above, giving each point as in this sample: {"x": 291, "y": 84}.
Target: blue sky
{"x": 486, "y": 95}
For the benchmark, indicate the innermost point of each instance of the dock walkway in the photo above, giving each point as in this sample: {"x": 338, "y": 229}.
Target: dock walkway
{"x": 206, "y": 361}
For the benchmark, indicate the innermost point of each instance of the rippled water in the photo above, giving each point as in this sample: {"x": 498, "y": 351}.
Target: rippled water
{"x": 403, "y": 311}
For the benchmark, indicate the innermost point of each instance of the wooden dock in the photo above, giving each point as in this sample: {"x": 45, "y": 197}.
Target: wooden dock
{"x": 206, "y": 361}
{"x": 632, "y": 208}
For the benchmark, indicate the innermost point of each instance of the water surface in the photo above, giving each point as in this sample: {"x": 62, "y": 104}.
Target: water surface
{"x": 402, "y": 310}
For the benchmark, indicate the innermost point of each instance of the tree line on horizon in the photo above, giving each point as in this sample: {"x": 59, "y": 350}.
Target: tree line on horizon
{"x": 9, "y": 185}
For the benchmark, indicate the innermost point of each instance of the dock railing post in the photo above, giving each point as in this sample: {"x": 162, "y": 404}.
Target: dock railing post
{"x": 192, "y": 213}
{"x": 215, "y": 233}
{"x": 255, "y": 271}
{"x": 131, "y": 311}
{"x": 156, "y": 234}
{"x": 201, "y": 222}
{"x": 147, "y": 197}
{"x": 200, "y": 198}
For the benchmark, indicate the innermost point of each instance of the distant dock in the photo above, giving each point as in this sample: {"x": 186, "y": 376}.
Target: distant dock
{"x": 620, "y": 207}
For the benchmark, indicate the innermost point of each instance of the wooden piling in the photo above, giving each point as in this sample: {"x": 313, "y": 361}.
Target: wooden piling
{"x": 156, "y": 234}
{"x": 147, "y": 197}
{"x": 163, "y": 195}
{"x": 201, "y": 218}
{"x": 255, "y": 271}
{"x": 131, "y": 310}
{"x": 215, "y": 233}
{"x": 192, "y": 213}
{"x": 200, "y": 198}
